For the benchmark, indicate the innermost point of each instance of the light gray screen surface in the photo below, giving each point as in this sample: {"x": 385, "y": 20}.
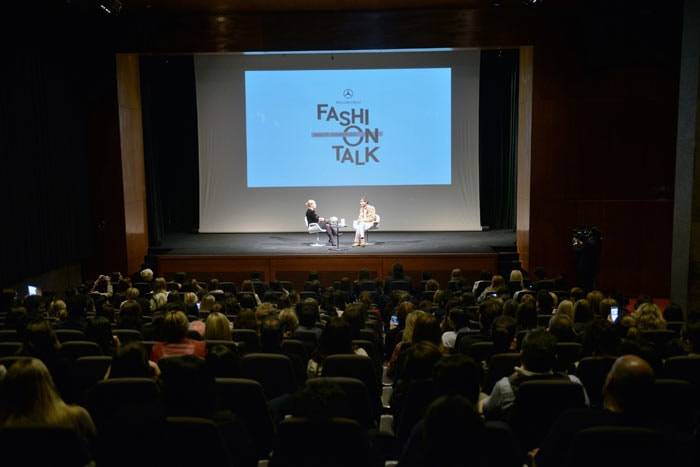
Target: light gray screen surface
{"x": 226, "y": 204}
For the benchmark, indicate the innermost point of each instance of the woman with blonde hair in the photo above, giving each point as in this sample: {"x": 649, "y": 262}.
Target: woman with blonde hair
{"x": 218, "y": 327}
{"x": 497, "y": 283}
{"x": 406, "y": 340}
{"x": 30, "y": 398}
{"x": 566, "y": 307}
{"x": 648, "y": 317}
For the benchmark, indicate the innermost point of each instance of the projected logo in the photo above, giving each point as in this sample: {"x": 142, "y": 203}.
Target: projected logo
{"x": 360, "y": 142}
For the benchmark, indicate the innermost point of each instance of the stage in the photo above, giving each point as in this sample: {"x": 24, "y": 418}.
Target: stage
{"x": 290, "y": 256}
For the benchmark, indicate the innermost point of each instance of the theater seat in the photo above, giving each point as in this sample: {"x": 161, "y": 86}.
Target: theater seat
{"x": 606, "y": 446}
{"x": 42, "y": 445}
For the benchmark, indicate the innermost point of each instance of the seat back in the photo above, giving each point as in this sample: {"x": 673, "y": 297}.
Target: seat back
{"x": 538, "y": 404}
{"x": 8, "y": 349}
{"x": 358, "y": 406}
{"x": 614, "y": 446}
{"x": 592, "y": 372}
{"x": 75, "y": 349}
{"x": 568, "y": 353}
{"x": 354, "y": 366}
{"x": 8, "y": 335}
{"x": 127, "y": 335}
{"x": 420, "y": 395}
{"x": 68, "y": 335}
{"x": 86, "y": 372}
{"x": 249, "y": 337}
{"x": 680, "y": 403}
{"x": 686, "y": 368}
{"x": 296, "y": 347}
{"x": 336, "y": 442}
{"x": 192, "y": 431}
{"x": 43, "y": 445}
{"x": 273, "y": 371}
{"x": 500, "y": 365}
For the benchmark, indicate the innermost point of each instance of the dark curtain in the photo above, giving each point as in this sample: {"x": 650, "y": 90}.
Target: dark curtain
{"x": 498, "y": 137}
{"x": 169, "y": 109}
{"x": 44, "y": 183}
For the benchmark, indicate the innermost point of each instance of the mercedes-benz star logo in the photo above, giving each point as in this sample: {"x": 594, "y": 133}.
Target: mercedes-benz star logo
{"x": 347, "y": 93}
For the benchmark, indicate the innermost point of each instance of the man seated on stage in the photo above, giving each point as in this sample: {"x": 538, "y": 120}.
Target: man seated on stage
{"x": 312, "y": 218}
{"x": 366, "y": 219}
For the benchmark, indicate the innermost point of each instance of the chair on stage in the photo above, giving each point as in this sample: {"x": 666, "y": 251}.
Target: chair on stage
{"x": 373, "y": 227}
{"x": 314, "y": 228}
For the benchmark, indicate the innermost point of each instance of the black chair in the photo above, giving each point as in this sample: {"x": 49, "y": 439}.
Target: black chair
{"x": 561, "y": 294}
{"x": 399, "y": 284}
{"x": 359, "y": 407}
{"x": 236, "y": 347}
{"x": 76, "y": 349}
{"x": 249, "y": 338}
{"x": 502, "y": 447}
{"x": 296, "y": 347}
{"x": 86, "y": 372}
{"x": 686, "y": 368}
{"x": 287, "y": 285}
{"x": 228, "y": 287}
{"x": 538, "y": 404}
{"x": 337, "y": 442}
{"x": 191, "y": 431}
{"x": 355, "y": 366}
{"x": 592, "y": 372}
{"x": 568, "y": 353}
{"x": 8, "y": 335}
{"x": 127, "y": 335}
{"x": 615, "y": 446}
{"x": 427, "y": 295}
{"x": 8, "y": 349}
{"x": 7, "y": 362}
{"x": 675, "y": 326}
{"x": 143, "y": 287}
{"x": 69, "y": 335}
{"x": 480, "y": 351}
{"x": 246, "y": 399}
{"x": 308, "y": 337}
{"x": 130, "y": 417}
{"x": 454, "y": 285}
{"x": 659, "y": 338}
{"x": 43, "y": 445}
{"x": 480, "y": 286}
{"x": 500, "y": 365}
{"x": 308, "y": 294}
{"x": 677, "y": 403}
{"x": 543, "y": 320}
{"x": 419, "y": 396}
{"x": 273, "y": 371}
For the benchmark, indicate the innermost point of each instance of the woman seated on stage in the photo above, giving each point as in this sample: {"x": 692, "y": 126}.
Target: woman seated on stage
{"x": 312, "y": 218}
{"x": 366, "y": 219}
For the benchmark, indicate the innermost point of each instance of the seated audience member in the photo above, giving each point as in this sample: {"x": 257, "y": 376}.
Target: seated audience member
{"x": 130, "y": 316}
{"x": 545, "y": 303}
{"x": 600, "y": 339}
{"x": 58, "y": 310}
{"x": 77, "y": 314}
{"x": 206, "y": 305}
{"x": 627, "y": 395}
{"x": 246, "y": 320}
{"x": 355, "y": 314}
{"x": 497, "y": 283}
{"x": 394, "y": 335}
{"x": 309, "y": 316}
{"x": 271, "y": 336}
{"x": 673, "y": 312}
{"x": 218, "y": 327}
{"x": 175, "y": 342}
{"x": 40, "y": 342}
{"x": 503, "y": 334}
{"x": 103, "y": 286}
{"x": 458, "y": 375}
{"x": 457, "y": 320}
{"x": 405, "y": 343}
{"x": 561, "y": 327}
{"x": 418, "y": 365}
{"x": 131, "y": 361}
{"x": 566, "y": 307}
{"x": 576, "y": 294}
{"x": 604, "y": 308}
{"x": 29, "y": 398}
{"x": 526, "y": 316}
{"x": 335, "y": 339}
{"x": 289, "y": 321}
{"x": 247, "y": 288}
{"x": 516, "y": 281}
{"x": 131, "y": 293}
{"x": 489, "y": 310}
{"x": 510, "y": 308}
{"x": 648, "y": 317}
{"x": 450, "y": 434}
{"x": 214, "y": 287}
{"x": 583, "y": 314}
{"x": 538, "y": 361}
{"x": 99, "y": 330}
{"x": 321, "y": 401}
{"x": 147, "y": 275}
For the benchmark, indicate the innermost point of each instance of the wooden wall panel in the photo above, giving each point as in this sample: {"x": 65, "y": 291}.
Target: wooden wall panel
{"x": 133, "y": 171}
{"x": 330, "y": 268}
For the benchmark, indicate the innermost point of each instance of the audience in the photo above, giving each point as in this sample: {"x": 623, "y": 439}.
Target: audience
{"x": 175, "y": 341}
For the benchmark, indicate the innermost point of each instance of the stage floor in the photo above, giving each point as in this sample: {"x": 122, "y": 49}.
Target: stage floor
{"x": 296, "y": 243}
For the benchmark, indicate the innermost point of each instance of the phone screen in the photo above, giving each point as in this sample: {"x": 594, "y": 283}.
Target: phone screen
{"x": 614, "y": 312}
{"x": 31, "y": 289}
{"x": 394, "y": 321}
